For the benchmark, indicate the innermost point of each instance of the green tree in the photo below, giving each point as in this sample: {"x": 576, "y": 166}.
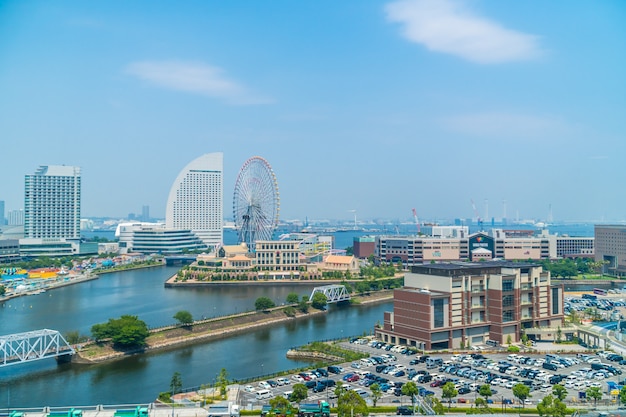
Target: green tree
{"x": 303, "y": 305}
{"x": 74, "y": 337}
{"x": 300, "y": 393}
{"x": 480, "y": 402}
{"x": 292, "y": 298}
{"x": 559, "y": 392}
{"x": 595, "y": 394}
{"x": 410, "y": 389}
{"x": 263, "y": 303}
{"x": 281, "y": 406}
{"x": 319, "y": 301}
{"x": 3, "y": 290}
{"x": 127, "y": 331}
{"x": 559, "y": 335}
{"x": 509, "y": 340}
{"x": 521, "y": 392}
{"x": 176, "y": 383}
{"x": 349, "y": 404}
{"x": 485, "y": 391}
{"x": 448, "y": 391}
{"x": 222, "y": 381}
{"x": 183, "y": 317}
{"x": 377, "y": 394}
{"x": 438, "y": 408}
{"x": 551, "y": 407}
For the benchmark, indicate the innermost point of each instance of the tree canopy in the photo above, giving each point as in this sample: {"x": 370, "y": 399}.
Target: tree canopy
{"x": 319, "y": 301}
{"x": 551, "y": 407}
{"x": 292, "y": 298}
{"x": 449, "y": 392}
{"x": 299, "y": 393}
{"x": 127, "y": 331}
{"x": 349, "y": 403}
{"x": 263, "y": 303}
{"x": 183, "y": 317}
{"x": 521, "y": 392}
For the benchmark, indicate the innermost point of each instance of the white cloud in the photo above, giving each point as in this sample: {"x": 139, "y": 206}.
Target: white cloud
{"x": 196, "y": 78}
{"x": 446, "y": 26}
{"x": 509, "y": 126}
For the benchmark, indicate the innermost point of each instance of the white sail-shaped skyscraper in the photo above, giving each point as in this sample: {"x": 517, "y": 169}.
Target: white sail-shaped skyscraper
{"x": 196, "y": 200}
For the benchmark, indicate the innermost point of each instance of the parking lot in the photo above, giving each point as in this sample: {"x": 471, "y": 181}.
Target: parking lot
{"x": 392, "y": 366}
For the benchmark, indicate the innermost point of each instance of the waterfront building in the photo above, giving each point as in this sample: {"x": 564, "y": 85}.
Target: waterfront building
{"x": 52, "y": 203}
{"x": 340, "y": 263}
{"x": 448, "y": 305}
{"x": 9, "y": 250}
{"x": 416, "y": 250}
{"x": 196, "y": 199}
{"x": 574, "y": 246}
{"x": 363, "y": 246}
{"x": 156, "y": 238}
{"x": 278, "y": 258}
{"x": 610, "y": 247}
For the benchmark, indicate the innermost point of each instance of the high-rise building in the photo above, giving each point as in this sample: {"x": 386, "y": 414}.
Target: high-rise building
{"x": 196, "y": 200}
{"x": 16, "y": 217}
{"x": 2, "y": 222}
{"x": 145, "y": 213}
{"x": 610, "y": 247}
{"x": 52, "y": 203}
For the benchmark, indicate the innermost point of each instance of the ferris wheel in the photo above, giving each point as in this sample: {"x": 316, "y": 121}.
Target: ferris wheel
{"x": 256, "y": 202}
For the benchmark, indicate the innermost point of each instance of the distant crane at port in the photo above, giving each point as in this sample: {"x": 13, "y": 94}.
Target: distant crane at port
{"x": 478, "y": 218}
{"x": 417, "y": 223}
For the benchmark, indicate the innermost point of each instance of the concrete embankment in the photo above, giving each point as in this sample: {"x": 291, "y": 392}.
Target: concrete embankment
{"x": 173, "y": 337}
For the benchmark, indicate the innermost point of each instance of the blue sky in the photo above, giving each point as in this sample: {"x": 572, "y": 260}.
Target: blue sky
{"x": 373, "y": 106}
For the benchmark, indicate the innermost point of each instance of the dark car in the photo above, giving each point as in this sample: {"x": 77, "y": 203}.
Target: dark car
{"x": 463, "y": 390}
{"x": 333, "y": 370}
{"x": 310, "y": 384}
{"x": 323, "y": 372}
{"x": 404, "y": 411}
{"x": 319, "y": 387}
{"x": 550, "y": 366}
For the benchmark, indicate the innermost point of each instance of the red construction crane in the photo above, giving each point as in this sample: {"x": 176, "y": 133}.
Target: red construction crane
{"x": 417, "y": 223}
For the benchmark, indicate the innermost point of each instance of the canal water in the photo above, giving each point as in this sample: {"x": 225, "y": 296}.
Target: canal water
{"x": 139, "y": 379}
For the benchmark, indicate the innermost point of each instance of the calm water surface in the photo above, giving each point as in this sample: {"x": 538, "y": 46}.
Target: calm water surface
{"x": 141, "y": 378}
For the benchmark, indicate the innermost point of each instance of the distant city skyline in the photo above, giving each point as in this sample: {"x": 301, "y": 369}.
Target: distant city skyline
{"x": 370, "y": 108}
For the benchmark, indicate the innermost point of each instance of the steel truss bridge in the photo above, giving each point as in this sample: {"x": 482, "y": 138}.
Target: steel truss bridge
{"x": 31, "y": 346}
{"x": 333, "y": 293}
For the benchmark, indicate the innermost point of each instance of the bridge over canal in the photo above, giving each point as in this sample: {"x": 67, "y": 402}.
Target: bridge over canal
{"x": 32, "y": 346}
{"x": 333, "y": 293}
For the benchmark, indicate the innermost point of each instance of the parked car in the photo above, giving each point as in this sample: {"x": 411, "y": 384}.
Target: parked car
{"x": 404, "y": 411}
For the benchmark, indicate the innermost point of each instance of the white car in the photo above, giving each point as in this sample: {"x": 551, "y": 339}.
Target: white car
{"x": 282, "y": 381}
{"x": 264, "y": 385}
{"x": 297, "y": 378}
{"x": 248, "y": 388}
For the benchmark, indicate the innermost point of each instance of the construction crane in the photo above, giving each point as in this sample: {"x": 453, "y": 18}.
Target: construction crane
{"x": 417, "y": 223}
{"x": 478, "y": 219}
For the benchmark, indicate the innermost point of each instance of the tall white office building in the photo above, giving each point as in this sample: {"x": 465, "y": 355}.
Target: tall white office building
{"x": 52, "y": 203}
{"x": 196, "y": 200}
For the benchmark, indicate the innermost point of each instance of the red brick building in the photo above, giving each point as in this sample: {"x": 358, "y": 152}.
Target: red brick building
{"x": 449, "y": 305}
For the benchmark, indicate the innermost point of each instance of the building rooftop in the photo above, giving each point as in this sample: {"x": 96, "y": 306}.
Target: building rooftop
{"x": 463, "y": 268}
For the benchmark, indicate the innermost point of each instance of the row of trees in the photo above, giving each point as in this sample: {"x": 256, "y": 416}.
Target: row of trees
{"x": 568, "y": 268}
